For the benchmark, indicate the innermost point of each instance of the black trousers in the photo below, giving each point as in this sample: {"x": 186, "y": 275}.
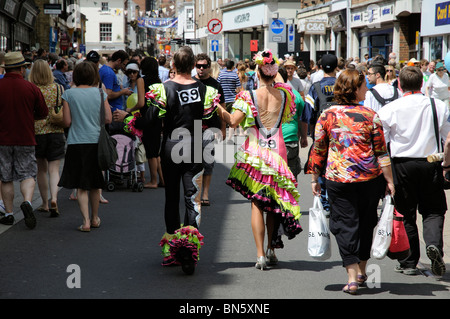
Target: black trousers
{"x": 187, "y": 173}
{"x": 418, "y": 187}
{"x": 353, "y": 217}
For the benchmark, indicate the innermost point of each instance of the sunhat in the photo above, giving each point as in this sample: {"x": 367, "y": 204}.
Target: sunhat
{"x": 14, "y": 60}
{"x": 439, "y": 65}
{"x": 289, "y": 63}
{"x": 132, "y": 66}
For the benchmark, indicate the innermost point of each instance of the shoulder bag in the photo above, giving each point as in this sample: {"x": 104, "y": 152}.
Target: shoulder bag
{"x": 56, "y": 113}
{"x": 439, "y": 169}
{"x": 107, "y": 153}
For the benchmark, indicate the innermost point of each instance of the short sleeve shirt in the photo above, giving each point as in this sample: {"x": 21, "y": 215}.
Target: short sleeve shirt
{"x": 109, "y": 79}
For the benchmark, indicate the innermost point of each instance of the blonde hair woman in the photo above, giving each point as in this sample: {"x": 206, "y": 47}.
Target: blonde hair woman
{"x": 215, "y": 70}
{"x": 50, "y": 139}
{"x": 391, "y": 76}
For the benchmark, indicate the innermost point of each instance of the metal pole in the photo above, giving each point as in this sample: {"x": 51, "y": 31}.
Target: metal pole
{"x": 349, "y": 30}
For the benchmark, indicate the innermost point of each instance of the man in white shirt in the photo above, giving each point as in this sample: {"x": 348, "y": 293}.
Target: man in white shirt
{"x": 408, "y": 125}
{"x": 384, "y": 92}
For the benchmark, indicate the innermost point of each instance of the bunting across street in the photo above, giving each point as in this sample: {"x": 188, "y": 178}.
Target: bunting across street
{"x": 146, "y": 22}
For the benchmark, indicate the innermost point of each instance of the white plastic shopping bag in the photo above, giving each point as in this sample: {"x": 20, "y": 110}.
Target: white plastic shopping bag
{"x": 319, "y": 246}
{"x": 382, "y": 234}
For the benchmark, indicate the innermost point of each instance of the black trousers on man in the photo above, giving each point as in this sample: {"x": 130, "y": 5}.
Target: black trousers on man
{"x": 176, "y": 170}
{"x": 418, "y": 187}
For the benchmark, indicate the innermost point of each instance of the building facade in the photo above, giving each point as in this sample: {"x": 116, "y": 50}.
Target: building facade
{"x": 435, "y": 29}
{"x": 17, "y": 24}
{"x": 106, "y": 25}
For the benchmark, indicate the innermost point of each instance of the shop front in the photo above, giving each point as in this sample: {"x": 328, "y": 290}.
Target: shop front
{"x": 373, "y": 30}
{"x": 240, "y": 26}
{"x": 435, "y": 29}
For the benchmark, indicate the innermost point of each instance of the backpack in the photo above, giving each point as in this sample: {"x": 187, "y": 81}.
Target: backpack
{"x": 325, "y": 101}
{"x": 381, "y": 100}
{"x": 251, "y": 82}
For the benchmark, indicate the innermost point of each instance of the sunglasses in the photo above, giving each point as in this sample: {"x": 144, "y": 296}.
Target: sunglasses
{"x": 389, "y": 70}
{"x": 440, "y": 70}
{"x": 202, "y": 66}
{"x": 132, "y": 72}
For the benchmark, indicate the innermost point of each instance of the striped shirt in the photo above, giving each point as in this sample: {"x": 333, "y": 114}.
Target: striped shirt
{"x": 229, "y": 81}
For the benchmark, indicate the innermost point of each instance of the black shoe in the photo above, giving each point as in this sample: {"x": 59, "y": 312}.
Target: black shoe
{"x": 437, "y": 263}
{"x": 184, "y": 256}
{"x": 27, "y": 210}
{"x": 7, "y": 220}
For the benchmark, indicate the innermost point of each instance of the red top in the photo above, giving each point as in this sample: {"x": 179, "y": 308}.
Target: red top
{"x": 21, "y": 102}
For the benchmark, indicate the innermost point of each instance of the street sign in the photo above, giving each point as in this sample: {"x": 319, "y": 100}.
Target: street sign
{"x": 215, "y": 45}
{"x": 215, "y": 26}
{"x": 192, "y": 41}
{"x": 277, "y": 30}
{"x": 291, "y": 38}
{"x": 52, "y": 8}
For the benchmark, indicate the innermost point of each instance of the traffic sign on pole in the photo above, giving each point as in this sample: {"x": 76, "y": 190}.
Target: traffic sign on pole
{"x": 277, "y": 30}
{"x": 215, "y": 45}
{"x": 215, "y": 26}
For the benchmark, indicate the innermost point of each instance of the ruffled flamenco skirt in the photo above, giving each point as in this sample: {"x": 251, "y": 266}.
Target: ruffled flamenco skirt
{"x": 264, "y": 177}
{"x": 182, "y": 248}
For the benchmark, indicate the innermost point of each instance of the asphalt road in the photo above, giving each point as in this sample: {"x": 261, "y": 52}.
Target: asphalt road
{"x": 121, "y": 259}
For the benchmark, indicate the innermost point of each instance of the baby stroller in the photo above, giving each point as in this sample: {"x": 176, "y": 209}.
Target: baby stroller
{"x": 124, "y": 172}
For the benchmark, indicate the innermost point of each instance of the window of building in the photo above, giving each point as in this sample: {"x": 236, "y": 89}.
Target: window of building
{"x": 190, "y": 19}
{"x": 105, "y": 32}
{"x": 105, "y": 6}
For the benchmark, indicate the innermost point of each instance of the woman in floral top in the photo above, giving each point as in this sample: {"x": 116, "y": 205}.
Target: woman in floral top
{"x": 350, "y": 150}
{"x": 50, "y": 139}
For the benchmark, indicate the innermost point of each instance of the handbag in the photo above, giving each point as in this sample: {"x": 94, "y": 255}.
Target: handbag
{"x": 438, "y": 164}
{"x": 56, "y": 113}
{"x": 319, "y": 243}
{"x": 382, "y": 233}
{"x": 107, "y": 153}
{"x": 399, "y": 248}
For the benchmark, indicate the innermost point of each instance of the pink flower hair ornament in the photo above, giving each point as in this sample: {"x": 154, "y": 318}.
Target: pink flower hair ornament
{"x": 267, "y": 62}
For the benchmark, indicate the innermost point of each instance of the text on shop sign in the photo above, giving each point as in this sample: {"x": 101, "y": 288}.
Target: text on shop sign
{"x": 442, "y": 13}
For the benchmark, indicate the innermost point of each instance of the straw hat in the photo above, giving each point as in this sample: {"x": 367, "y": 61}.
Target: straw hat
{"x": 289, "y": 63}
{"x": 14, "y": 60}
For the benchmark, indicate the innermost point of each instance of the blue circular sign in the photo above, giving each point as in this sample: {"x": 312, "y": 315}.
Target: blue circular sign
{"x": 277, "y": 26}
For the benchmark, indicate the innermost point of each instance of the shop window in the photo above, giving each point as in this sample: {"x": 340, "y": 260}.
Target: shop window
{"x": 105, "y": 32}
{"x": 435, "y": 48}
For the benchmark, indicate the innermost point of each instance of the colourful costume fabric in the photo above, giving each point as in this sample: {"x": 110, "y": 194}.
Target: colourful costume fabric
{"x": 350, "y": 144}
{"x": 188, "y": 237}
{"x": 260, "y": 172}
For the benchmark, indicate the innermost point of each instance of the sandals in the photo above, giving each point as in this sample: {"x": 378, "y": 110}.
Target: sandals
{"x": 54, "y": 212}
{"x": 205, "y": 202}
{"x": 348, "y": 288}
{"x": 103, "y": 200}
{"x": 84, "y": 230}
{"x": 97, "y": 225}
{"x": 362, "y": 280}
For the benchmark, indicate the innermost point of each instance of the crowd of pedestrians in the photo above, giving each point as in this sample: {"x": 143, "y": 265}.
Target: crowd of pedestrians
{"x": 371, "y": 124}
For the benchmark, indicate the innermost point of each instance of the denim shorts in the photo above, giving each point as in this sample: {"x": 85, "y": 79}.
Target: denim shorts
{"x": 17, "y": 163}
